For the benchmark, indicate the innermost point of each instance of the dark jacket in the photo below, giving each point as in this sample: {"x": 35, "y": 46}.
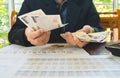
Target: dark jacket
{"x": 79, "y": 13}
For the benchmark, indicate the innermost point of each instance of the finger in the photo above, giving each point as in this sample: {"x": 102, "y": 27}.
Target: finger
{"x": 81, "y": 44}
{"x": 31, "y": 35}
{"x": 70, "y": 39}
{"x": 45, "y": 37}
{"x": 37, "y": 43}
{"x": 41, "y": 40}
{"x": 78, "y": 42}
{"x": 37, "y": 33}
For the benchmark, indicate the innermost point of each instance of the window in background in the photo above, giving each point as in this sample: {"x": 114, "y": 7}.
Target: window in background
{"x": 104, "y": 5}
{"x": 119, "y": 4}
{"x": 18, "y": 4}
{"x": 4, "y": 23}
{"x": 4, "y": 13}
{"x": 6, "y": 7}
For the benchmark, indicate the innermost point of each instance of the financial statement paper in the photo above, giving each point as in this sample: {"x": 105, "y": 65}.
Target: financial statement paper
{"x": 56, "y": 61}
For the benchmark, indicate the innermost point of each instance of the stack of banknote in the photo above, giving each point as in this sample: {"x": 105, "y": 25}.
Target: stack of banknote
{"x": 98, "y": 37}
{"x": 38, "y": 19}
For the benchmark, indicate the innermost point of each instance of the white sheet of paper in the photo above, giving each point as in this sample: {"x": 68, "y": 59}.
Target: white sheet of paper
{"x": 56, "y": 61}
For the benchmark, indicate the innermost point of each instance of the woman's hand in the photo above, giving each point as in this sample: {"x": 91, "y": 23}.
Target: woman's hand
{"x": 74, "y": 41}
{"x": 38, "y": 37}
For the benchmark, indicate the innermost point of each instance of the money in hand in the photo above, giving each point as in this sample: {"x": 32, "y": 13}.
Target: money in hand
{"x": 38, "y": 19}
{"x": 99, "y": 37}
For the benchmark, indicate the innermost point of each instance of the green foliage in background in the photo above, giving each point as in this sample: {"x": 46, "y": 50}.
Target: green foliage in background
{"x": 103, "y": 8}
{"x": 4, "y": 36}
{"x": 4, "y": 15}
{"x": 106, "y": 1}
{"x": 102, "y": 1}
{"x": 4, "y": 26}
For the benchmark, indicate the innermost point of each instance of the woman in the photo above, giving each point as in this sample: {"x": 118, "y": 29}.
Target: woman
{"x": 77, "y": 13}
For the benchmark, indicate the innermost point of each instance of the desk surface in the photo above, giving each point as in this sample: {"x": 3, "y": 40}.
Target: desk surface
{"x": 92, "y": 49}
{"x": 96, "y": 49}
{"x": 71, "y": 62}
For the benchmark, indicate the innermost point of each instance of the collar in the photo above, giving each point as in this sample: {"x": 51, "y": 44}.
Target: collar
{"x": 62, "y": 2}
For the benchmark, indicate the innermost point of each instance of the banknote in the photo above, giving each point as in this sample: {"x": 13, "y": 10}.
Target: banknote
{"x": 81, "y": 35}
{"x": 99, "y": 37}
{"x": 38, "y": 12}
{"x": 48, "y": 22}
{"x": 28, "y": 21}
{"x": 38, "y": 19}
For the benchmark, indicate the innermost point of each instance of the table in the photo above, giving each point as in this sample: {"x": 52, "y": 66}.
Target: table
{"x": 58, "y": 61}
{"x": 96, "y": 48}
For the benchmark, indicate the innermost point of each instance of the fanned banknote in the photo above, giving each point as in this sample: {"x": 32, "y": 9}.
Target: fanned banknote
{"x": 99, "y": 37}
{"x": 38, "y": 19}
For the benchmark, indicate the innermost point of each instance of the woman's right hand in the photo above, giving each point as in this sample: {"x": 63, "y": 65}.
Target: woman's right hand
{"x": 38, "y": 37}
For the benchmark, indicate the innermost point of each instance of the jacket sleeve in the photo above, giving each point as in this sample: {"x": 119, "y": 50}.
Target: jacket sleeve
{"x": 93, "y": 18}
{"x": 17, "y": 32}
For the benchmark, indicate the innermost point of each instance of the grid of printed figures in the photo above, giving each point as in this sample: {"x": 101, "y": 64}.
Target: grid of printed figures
{"x": 66, "y": 67}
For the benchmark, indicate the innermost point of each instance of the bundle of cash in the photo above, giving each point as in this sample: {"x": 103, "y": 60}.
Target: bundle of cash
{"x": 38, "y": 19}
{"x": 99, "y": 37}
